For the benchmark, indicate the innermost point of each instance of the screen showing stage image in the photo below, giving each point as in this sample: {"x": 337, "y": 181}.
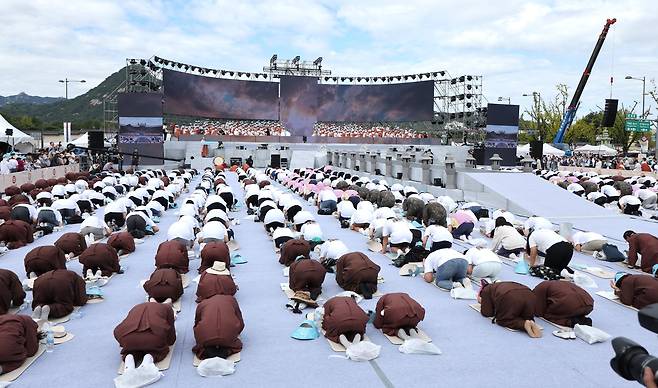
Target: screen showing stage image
{"x": 193, "y": 95}
{"x": 140, "y": 130}
{"x": 299, "y": 104}
{"x": 364, "y": 103}
{"x": 502, "y": 132}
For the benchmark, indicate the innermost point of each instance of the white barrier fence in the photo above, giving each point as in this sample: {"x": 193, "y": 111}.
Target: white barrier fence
{"x": 18, "y": 178}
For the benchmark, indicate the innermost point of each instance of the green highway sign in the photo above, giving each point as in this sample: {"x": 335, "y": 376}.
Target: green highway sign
{"x": 638, "y": 125}
{"x": 631, "y": 116}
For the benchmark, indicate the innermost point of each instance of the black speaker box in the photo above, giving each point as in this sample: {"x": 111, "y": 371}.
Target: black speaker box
{"x": 96, "y": 139}
{"x": 610, "y": 113}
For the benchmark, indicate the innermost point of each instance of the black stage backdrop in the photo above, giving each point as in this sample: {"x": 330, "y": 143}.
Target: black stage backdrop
{"x": 299, "y": 104}
{"x": 502, "y": 133}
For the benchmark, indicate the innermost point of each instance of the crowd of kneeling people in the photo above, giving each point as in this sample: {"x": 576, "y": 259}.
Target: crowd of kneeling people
{"x": 416, "y": 227}
{"x": 132, "y": 210}
{"x": 410, "y": 226}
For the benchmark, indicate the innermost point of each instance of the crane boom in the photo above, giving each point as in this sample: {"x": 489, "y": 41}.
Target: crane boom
{"x": 570, "y": 112}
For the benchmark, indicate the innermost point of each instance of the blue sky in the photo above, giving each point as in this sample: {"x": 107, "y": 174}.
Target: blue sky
{"x": 518, "y": 46}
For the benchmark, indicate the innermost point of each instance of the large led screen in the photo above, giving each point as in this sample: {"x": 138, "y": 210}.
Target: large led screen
{"x": 193, "y": 95}
{"x": 502, "y": 132}
{"x": 363, "y": 103}
{"x": 299, "y": 104}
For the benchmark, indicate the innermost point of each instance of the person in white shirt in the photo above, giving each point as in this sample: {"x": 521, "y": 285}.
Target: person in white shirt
{"x": 274, "y": 219}
{"x": 301, "y": 218}
{"x": 483, "y": 263}
{"x": 182, "y": 232}
{"x": 536, "y": 223}
{"x": 576, "y": 188}
{"x": 588, "y": 242}
{"x": 213, "y": 231}
{"x": 24, "y": 212}
{"x": 331, "y": 251}
{"x": 49, "y": 217}
{"x": 397, "y": 235}
{"x": 115, "y": 213}
{"x": 345, "y": 209}
{"x": 67, "y": 208}
{"x": 327, "y": 201}
{"x": 140, "y": 224}
{"x": 630, "y": 204}
{"x": 281, "y": 235}
{"x": 312, "y": 232}
{"x": 445, "y": 267}
{"x": 610, "y": 192}
{"x": 597, "y": 197}
{"x": 557, "y": 250}
{"x": 507, "y": 241}
{"x": 361, "y": 219}
{"x": 95, "y": 226}
{"x": 436, "y": 236}
{"x": 648, "y": 198}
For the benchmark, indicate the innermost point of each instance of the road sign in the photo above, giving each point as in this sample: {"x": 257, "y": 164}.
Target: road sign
{"x": 631, "y": 116}
{"x": 638, "y": 125}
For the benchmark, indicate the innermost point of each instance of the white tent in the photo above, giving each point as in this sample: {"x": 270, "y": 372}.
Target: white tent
{"x": 17, "y": 137}
{"x": 547, "y": 149}
{"x": 599, "y": 150}
{"x": 83, "y": 141}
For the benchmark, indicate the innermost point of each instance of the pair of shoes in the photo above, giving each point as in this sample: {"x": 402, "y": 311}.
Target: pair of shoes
{"x": 457, "y": 285}
{"x": 466, "y": 282}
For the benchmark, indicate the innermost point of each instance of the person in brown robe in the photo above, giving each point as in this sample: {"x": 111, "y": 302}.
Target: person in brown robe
{"x": 294, "y": 248}
{"x": 217, "y": 325}
{"x": 510, "y": 305}
{"x": 171, "y": 254}
{"x": 100, "y": 256}
{"x": 5, "y": 213}
{"x": 397, "y": 311}
{"x": 19, "y": 339}
{"x": 164, "y": 283}
{"x": 356, "y": 272}
{"x": 211, "y": 284}
{"x": 16, "y": 233}
{"x": 342, "y": 315}
{"x": 123, "y": 242}
{"x": 563, "y": 303}
{"x": 214, "y": 251}
{"x": 638, "y": 291}
{"x": 148, "y": 329}
{"x": 307, "y": 275}
{"x": 71, "y": 243}
{"x": 644, "y": 244}
{"x": 11, "y": 291}
{"x": 43, "y": 259}
{"x": 61, "y": 290}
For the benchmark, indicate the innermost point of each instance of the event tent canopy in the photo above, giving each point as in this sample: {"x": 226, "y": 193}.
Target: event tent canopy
{"x": 18, "y": 135}
{"x": 547, "y": 149}
{"x": 599, "y": 149}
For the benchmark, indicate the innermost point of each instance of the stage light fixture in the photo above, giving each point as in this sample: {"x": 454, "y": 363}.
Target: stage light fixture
{"x": 358, "y": 79}
{"x": 274, "y": 57}
{"x": 295, "y": 60}
{"x": 413, "y": 76}
{"x": 142, "y": 62}
{"x": 335, "y": 79}
{"x": 318, "y": 61}
{"x": 469, "y": 78}
{"x": 351, "y": 79}
{"x": 326, "y": 79}
{"x": 468, "y": 95}
{"x": 248, "y": 74}
{"x": 399, "y": 78}
{"x": 461, "y": 79}
{"x": 231, "y": 73}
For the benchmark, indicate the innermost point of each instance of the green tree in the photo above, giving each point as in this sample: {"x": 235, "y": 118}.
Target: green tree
{"x": 581, "y": 131}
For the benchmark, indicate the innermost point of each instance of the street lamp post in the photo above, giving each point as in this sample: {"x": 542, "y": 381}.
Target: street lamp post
{"x": 536, "y": 98}
{"x": 644, "y": 93}
{"x": 66, "y": 82}
{"x": 508, "y": 99}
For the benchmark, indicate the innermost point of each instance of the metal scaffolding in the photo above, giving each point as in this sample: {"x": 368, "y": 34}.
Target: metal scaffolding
{"x": 458, "y": 101}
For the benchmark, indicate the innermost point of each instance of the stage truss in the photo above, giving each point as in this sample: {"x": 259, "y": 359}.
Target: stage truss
{"x": 459, "y": 110}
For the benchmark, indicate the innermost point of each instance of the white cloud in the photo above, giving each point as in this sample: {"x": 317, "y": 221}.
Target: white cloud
{"x": 518, "y": 46}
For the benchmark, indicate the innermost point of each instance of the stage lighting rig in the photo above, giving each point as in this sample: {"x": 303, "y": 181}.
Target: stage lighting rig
{"x": 295, "y": 66}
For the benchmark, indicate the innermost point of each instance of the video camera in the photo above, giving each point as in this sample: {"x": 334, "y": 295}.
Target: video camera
{"x": 630, "y": 357}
